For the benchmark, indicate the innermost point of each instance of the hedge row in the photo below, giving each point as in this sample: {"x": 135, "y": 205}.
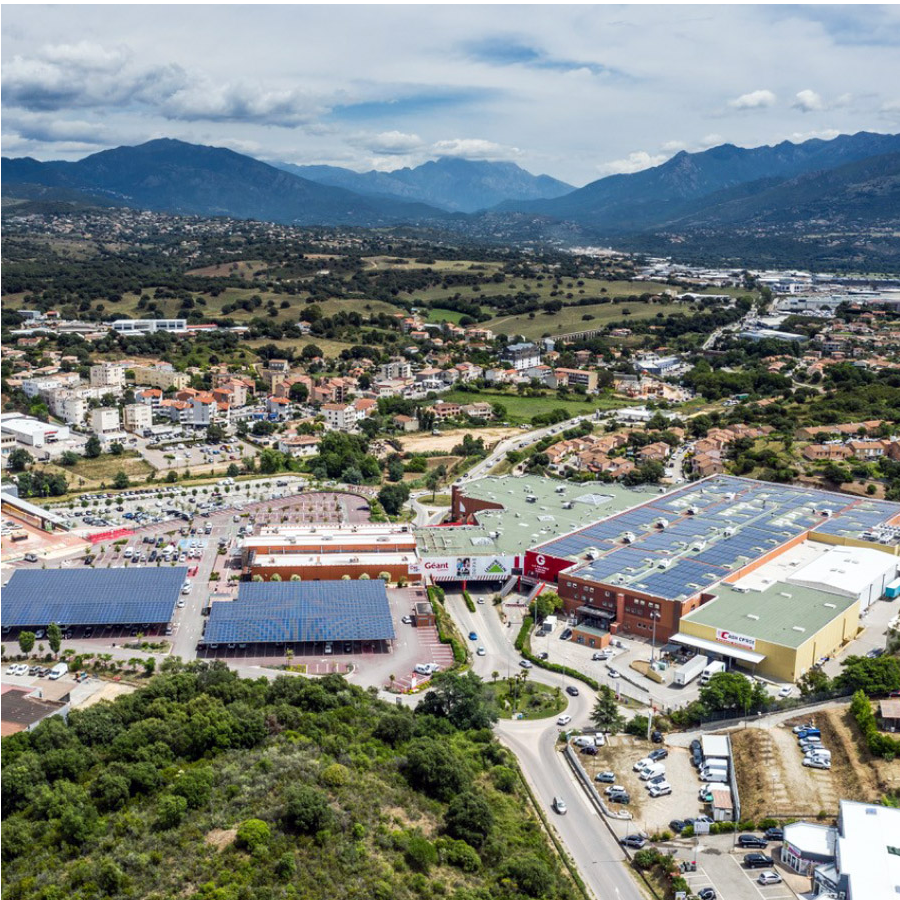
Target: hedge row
{"x": 879, "y": 744}
{"x": 470, "y": 603}
{"x": 523, "y": 646}
{"x": 445, "y": 630}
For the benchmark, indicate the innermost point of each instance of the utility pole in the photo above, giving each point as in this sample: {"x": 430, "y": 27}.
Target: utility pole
{"x": 654, "y": 617}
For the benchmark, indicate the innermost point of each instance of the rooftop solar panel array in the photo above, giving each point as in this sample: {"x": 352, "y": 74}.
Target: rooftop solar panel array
{"x": 37, "y": 597}
{"x": 302, "y": 612}
{"x": 712, "y": 527}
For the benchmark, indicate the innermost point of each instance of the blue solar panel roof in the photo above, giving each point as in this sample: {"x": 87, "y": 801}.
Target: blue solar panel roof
{"x": 302, "y": 611}
{"x": 134, "y": 596}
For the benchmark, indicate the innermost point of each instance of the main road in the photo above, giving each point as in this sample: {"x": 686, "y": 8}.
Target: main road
{"x": 596, "y": 853}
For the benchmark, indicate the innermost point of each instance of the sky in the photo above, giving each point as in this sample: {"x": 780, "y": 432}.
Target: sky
{"x": 576, "y": 92}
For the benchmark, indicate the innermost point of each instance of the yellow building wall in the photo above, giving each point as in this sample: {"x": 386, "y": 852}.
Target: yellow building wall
{"x": 787, "y": 663}
{"x": 838, "y": 540}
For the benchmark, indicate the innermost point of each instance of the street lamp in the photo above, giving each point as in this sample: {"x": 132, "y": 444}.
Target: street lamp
{"x": 654, "y": 617}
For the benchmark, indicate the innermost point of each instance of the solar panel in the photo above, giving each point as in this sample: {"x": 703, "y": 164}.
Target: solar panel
{"x": 37, "y": 597}
{"x": 302, "y": 612}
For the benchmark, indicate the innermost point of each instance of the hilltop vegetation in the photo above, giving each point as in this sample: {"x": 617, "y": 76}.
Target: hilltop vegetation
{"x": 205, "y": 785}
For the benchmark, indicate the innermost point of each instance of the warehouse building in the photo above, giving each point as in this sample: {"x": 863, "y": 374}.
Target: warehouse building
{"x": 779, "y": 632}
{"x": 647, "y": 567}
{"x": 306, "y": 617}
{"x": 138, "y": 598}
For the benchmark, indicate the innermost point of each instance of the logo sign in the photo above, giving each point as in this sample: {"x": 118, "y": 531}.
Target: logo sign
{"x": 540, "y": 559}
{"x": 464, "y": 567}
{"x": 736, "y": 640}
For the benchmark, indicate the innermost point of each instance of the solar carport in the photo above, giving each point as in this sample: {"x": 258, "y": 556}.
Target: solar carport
{"x": 302, "y": 615}
{"x": 34, "y": 598}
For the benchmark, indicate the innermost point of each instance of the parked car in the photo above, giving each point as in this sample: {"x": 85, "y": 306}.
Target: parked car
{"x": 567, "y": 633}
{"x": 590, "y": 751}
{"x": 622, "y": 797}
{"x": 769, "y": 878}
{"x": 775, "y": 834}
{"x": 661, "y": 753}
{"x": 614, "y": 789}
{"x": 816, "y": 762}
{"x": 613, "y": 673}
{"x": 751, "y": 840}
{"x": 758, "y": 861}
{"x": 481, "y": 651}
{"x": 633, "y": 842}
{"x": 677, "y": 825}
{"x": 473, "y": 636}
{"x": 707, "y": 893}
{"x": 657, "y": 737}
{"x": 642, "y": 764}
{"x": 605, "y": 777}
{"x": 785, "y": 692}
{"x": 543, "y": 655}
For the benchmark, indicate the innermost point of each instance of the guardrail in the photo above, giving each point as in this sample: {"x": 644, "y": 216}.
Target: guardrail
{"x": 592, "y": 792}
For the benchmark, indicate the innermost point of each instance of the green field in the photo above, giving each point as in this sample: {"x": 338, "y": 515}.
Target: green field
{"x": 441, "y": 315}
{"x": 521, "y": 410}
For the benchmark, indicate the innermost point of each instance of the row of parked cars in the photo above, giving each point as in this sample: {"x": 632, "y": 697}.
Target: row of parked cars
{"x": 815, "y": 754}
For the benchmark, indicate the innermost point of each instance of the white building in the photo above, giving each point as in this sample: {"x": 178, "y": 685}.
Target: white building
{"x": 33, "y": 432}
{"x": 340, "y": 416}
{"x": 108, "y": 375}
{"x": 148, "y": 326}
{"x": 854, "y": 572}
{"x": 69, "y": 406}
{"x": 301, "y": 445}
{"x": 105, "y": 420}
{"x": 521, "y": 356}
{"x": 137, "y": 417}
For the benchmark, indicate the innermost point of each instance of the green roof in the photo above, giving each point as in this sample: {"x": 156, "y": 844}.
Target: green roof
{"x": 777, "y": 612}
{"x": 522, "y": 524}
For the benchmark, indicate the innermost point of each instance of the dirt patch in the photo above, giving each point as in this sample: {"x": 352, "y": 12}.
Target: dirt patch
{"x": 108, "y": 692}
{"x": 447, "y": 440}
{"x": 241, "y": 268}
{"x": 220, "y": 838}
{"x": 773, "y": 781}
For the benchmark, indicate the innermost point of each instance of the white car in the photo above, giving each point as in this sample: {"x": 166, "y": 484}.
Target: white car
{"x": 481, "y": 651}
{"x": 660, "y": 790}
{"x": 642, "y": 764}
{"x": 564, "y": 719}
{"x": 614, "y": 789}
{"x": 11, "y": 670}
{"x": 21, "y": 669}
{"x": 613, "y": 673}
{"x": 785, "y": 692}
{"x": 769, "y": 878}
{"x": 814, "y": 762}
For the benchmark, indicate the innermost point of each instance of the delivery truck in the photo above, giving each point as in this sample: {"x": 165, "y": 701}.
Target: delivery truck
{"x": 690, "y": 670}
{"x": 712, "y": 669}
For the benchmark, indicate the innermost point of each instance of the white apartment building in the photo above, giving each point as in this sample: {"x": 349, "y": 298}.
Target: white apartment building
{"x": 137, "y": 417}
{"x": 105, "y": 420}
{"x": 108, "y": 375}
{"x": 340, "y": 416}
{"x": 148, "y": 326}
{"x": 394, "y": 370}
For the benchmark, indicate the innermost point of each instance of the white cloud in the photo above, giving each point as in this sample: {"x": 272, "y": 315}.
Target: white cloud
{"x": 711, "y": 140}
{"x": 473, "y": 148}
{"x": 808, "y": 101}
{"x": 634, "y": 162}
{"x": 674, "y": 146}
{"x": 753, "y": 100}
{"x": 392, "y": 143}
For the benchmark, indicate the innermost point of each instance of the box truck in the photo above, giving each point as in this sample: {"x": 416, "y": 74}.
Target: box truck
{"x": 690, "y": 670}
{"x": 712, "y": 669}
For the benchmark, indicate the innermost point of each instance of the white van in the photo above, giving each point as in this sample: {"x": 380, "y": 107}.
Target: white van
{"x": 652, "y": 772}
{"x": 719, "y": 775}
{"x": 59, "y": 670}
{"x": 129, "y": 552}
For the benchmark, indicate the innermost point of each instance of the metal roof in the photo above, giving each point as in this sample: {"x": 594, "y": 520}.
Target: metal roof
{"x": 37, "y": 597}
{"x": 301, "y": 612}
{"x": 747, "y": 656}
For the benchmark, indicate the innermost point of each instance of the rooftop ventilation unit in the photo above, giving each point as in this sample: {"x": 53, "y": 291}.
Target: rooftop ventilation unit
{"x": 831, "y": 605}
{"x": 629, "y": 537}
{"x": 592, "y": 553}
{"x": 664, "y": 564}
{"x": 728, "y": 532}
{"x": 785, "y": 594}
{"x": 799, "y": 628}
{"x": 692, "y": 510}
{"x": 662, "y": 523}
{"x": 699, "y": 545}
{"x": 753, "y": 616}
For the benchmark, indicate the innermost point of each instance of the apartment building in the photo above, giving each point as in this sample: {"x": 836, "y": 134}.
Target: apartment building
{"x": 162, "y": 376}
{"x": 136, "y": 417}
{"x": 108, "y": 375}
{"x": 105, "y": 420}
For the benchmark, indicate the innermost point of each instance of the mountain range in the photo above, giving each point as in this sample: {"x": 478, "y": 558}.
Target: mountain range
{"x": 449, "y": 183}
{"x": 853, "y": 179}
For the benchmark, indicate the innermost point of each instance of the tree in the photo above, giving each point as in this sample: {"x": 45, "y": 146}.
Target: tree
{"x": 93, "y": 447}
{"x": 392, "y": 497}
{"x": 433, "y": 766}
{"x": 116, "y": 448}
{"x": 460, "y": 698}
{"x": 469, "y": 818}
{"x": 26, "y": 641}
{"x": 253, "y": 835}
{"x": 170, "y": 811}
{"x": 54, "y": 638}
{"x": 395, "y": 469}
{"x": 232, "y": 471}
{"x": 432, "y": 481}
{"x": 605, "y": 715}
{"x": 306, "y": 809}
{"x": 68, "y": 458}
{"x": 731, "y": 690}
{"x": 298, "y": 393}
{"x": 872, "y": 676}
{"x": 120, "y": 481}
{"x": 215, "y": 432}
{"x": 18, "y": 460}
{"x": 545, "y": 605}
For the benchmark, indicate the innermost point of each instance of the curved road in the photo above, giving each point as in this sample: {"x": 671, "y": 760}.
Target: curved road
{"x": 596, "y": 853}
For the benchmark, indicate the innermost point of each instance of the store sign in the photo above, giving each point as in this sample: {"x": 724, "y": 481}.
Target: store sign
{"x": 540, "y": 565}
{"x": 452, "y": 568}
{"x": 738, "y": 640}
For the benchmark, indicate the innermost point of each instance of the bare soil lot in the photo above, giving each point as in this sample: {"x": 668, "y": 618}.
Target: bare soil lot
{"x": 621, "y": 752}
{"x": 447, "y": 440}
{"x": 773, "y": 781}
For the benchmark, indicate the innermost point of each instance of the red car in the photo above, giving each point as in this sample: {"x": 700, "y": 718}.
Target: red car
{"x": 192, "y": 571}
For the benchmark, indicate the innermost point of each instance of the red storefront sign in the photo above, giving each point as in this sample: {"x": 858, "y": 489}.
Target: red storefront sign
{"x": 544, "y": 566}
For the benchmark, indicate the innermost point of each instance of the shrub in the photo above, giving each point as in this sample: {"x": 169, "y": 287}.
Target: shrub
{"x": 469, "y": 818}
{"x": 458, "y": 854}
{"x": 335, "y": 775}
{"x": 470, "y": 603}
{"x": 505, "y": 779}
{"x": 531, "y": 875}
{"x": 253, "y": 835}
{"x": 306, "y": 810}
{"x": 420, "y": 853}
{"x": 170, "y": 811}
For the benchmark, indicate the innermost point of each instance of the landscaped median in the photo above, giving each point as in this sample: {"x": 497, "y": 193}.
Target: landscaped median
{"x": 446, "y": 629}
{"x": 523, "y": 645}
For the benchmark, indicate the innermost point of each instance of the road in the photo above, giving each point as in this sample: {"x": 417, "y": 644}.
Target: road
{"x": 592, "y": 847}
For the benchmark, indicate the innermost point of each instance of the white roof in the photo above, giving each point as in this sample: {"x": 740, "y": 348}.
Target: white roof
{"x": 715, "y": 745}
{"x": 867, "y": 833}
{"x": 808, "y": 838}
{"x": 846, "y": 571}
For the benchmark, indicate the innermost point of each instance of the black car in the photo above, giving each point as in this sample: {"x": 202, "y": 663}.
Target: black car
{"x": 696, "y": 746}
{"x": 751, "y": 840}
{"x": 757, "y": 861}
{"x": 677, "y": 825}
{"x": 775, "y": 834}
{"x": 657, "y": 737}
{"x": 589, "y": 751}
{"x": 572, "y": 691}
{"x": 622, "y": 797}
{"x": 697, "y": 758}
{"x": 655, "y": 755}
{"x": 566, "y": 634}
{"x": 634, "y": 841}
{"x": 707, "y": 893}
{"x": 543, "y": 655}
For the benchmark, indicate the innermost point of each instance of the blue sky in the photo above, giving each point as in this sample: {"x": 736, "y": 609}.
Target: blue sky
{"x": 576, "y": 92}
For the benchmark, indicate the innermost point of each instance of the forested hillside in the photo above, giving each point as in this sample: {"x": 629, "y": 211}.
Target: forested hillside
{"x": 205, "y": 785}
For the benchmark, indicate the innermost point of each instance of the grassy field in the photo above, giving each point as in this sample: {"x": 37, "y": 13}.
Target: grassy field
{"x": 88, "y": 474}
{"x": 523, "y": 409}
{"x": 571, "y": 318}
{"x": 441, "y": 315}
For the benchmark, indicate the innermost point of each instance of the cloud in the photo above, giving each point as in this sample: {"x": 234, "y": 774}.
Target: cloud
{"x": 808, "y": 101}
{"x": 511, "y": 51}
{"x": 391, "y": 143}
{"x": 634, "y": 162}
{"x": 711, "y": 140}
{"x": 753, "y": 100}
{"x": 473, "y": 148}
{"x": 674, "y": 146}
